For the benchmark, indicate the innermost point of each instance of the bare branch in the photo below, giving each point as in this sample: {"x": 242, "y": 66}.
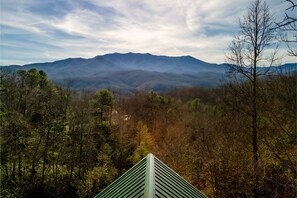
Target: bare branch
{"x": 289, "y": 25}
{"x": 293, "y": 5}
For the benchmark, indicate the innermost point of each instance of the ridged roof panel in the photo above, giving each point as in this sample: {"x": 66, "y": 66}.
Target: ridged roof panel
{"x": 150, "y": 178}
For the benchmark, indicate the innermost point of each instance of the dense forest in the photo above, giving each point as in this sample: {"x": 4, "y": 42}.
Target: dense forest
{"x": 58, "y": 142}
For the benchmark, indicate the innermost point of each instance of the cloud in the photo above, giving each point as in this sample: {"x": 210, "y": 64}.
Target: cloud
{"x": 65, "y": 28}
{"x": 78, "y": 22}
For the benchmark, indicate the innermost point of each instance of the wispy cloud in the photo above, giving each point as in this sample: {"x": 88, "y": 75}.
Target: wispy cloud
{"x": 35, "y": 30}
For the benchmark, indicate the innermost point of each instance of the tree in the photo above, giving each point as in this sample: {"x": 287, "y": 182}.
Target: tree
{"x": 143, "y": 143}
{"x": 100, "y": 176}
{"x": 247, "y": 53}
{"x": 103, "y": 101}
{"x": 289, "y": 25}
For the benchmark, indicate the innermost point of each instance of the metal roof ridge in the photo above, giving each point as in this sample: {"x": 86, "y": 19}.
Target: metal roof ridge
{"x": 149, "y": 176}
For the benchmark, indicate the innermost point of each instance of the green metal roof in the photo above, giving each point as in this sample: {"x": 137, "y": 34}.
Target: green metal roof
{"x": 150, "y": 178}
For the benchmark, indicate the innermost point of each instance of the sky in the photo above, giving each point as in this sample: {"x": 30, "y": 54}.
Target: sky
{"x": 47, "y": 30}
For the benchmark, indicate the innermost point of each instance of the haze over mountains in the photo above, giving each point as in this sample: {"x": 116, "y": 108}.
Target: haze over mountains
{"x": 133, "y": 72}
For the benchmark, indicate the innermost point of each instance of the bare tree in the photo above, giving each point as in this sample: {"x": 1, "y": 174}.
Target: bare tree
{"x": 250, "y": 49}
{"x": 289, "y": 25}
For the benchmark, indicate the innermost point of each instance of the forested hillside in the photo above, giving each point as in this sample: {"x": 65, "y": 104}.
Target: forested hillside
{"x": 56, "y": 142}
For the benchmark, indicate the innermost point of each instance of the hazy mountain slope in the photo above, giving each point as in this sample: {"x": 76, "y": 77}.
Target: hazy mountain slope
{"x": 74, "y": 67}
{"x": 149, "y": 62}
{"x": 136, "y": 80}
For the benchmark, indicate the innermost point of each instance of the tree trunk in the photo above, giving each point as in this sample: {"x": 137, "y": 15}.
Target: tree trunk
{"x": 34, "y": 161}
{"x": 13, "y": 171}
{"x": 45, "y": 156}
{"x": 255, "y": 153}
{"x": 19, "y": 157}
{"x": 19, "y": 164}
{"x": 80, "y": 153}
{"x": 254, "y": 122}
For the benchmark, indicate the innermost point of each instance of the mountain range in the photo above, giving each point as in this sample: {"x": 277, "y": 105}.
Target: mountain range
{"x": 133, "y": 72}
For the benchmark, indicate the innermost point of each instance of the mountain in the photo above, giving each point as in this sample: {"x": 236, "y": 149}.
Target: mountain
{"x": 149, "y": 62}
{"x": 79, "y": 67}
{"x": 132, "y": 72}
{"x": 138, "y": 80}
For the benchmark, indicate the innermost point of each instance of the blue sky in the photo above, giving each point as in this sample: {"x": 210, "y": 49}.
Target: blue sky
{"x": 48, "y": 30}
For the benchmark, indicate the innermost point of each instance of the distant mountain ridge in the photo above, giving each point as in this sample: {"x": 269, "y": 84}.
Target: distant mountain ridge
{"x": 134, "y": 71}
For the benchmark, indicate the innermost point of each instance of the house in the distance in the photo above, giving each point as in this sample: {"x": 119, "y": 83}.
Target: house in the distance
{"x": 150, "y": 178}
